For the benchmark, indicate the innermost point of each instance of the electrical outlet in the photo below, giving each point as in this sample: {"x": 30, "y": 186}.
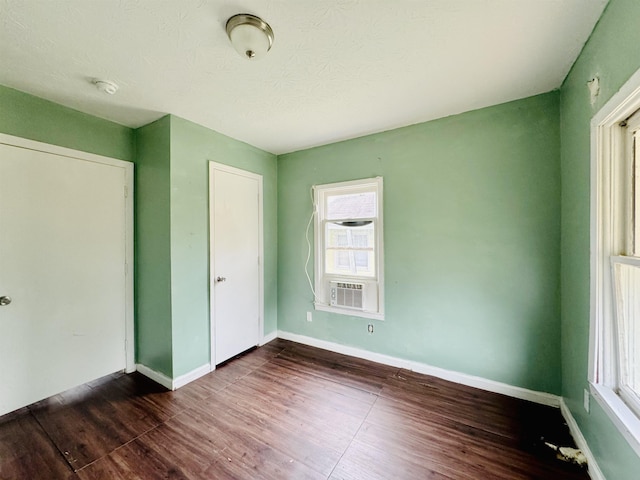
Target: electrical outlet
{"x": 587, "y": 399}
{"x": 370, "y": 328}
{"x": 309, "y": 317}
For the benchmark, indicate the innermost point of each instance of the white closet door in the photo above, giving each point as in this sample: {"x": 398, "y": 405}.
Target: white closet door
{"x": 235, "y": 252}
{"x": 62, "y": 262}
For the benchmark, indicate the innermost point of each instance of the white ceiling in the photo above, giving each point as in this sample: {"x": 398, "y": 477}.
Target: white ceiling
{"x": 338, "y": 69}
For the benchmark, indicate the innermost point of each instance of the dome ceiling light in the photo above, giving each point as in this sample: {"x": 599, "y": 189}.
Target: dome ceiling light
{"x": 251, "y": 36}
{"x": 106, "y": 86}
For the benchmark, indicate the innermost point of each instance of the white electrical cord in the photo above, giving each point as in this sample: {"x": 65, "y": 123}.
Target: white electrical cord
{"x": 306, "y": 263}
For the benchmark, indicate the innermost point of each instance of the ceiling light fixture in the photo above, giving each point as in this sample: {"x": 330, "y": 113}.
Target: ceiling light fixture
{"x": 251, "y": 36}
{"x": 106, "y": 86}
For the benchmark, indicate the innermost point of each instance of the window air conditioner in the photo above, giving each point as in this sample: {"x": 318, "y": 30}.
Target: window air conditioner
{"x": 347, "y": 295}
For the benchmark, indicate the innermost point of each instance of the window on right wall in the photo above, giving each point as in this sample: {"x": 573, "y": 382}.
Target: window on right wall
{"x": 626, "y": 273}
{"x": 614, "y": 363}
{"x": 625, "y": 270}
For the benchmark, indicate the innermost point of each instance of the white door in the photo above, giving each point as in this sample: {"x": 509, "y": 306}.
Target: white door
{"x": 236, "y": 251}
{"x": 62, "y": 263}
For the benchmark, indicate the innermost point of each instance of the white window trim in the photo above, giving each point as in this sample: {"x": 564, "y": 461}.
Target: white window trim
{"x": 608, "y": 186}
{"x": 319, "y": 276}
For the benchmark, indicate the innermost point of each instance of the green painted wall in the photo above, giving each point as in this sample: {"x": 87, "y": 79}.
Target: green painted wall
{"x": 26, "y": 116}
{"x": 153, "y": 299}
{"x": 192, "y": 147}
{"x": 612, "y": 53}
{"x": 472, "y": 238}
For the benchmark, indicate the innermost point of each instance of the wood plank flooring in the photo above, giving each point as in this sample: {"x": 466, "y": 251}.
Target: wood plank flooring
{"x": 284, "y": 411}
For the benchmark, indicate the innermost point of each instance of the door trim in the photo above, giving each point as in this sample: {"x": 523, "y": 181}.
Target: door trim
{"x": 213, "y": 166}
{"x": 27, "y": 144}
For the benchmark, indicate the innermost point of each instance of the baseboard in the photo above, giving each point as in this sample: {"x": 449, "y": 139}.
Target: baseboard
{"x": 270, "y": 337}
{"x": 543, "y": 398}
{"x": 188, "y": 377}
{"x": 344, "y": 349}
{"x": 594, "y": 470}
{"x": 157, "y": 377}
{"x": 450, "y": 375}
{"x": 173, "y": 383}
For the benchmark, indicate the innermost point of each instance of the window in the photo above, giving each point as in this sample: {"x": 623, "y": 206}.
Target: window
{"x": 614, "y": 370}
{"x": 348, "y": 248}
{"x": 626, "y": 269}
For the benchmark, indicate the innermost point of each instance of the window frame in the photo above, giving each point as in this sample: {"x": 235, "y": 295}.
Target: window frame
{"x": 611, "y": 214}
{"x": 627, "y": 394}
{"x": 321, "y": 277}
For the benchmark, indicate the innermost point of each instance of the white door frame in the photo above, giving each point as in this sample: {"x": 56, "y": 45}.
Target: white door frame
{"x": 226, "y": 168}
{"x": 128, "y": 171}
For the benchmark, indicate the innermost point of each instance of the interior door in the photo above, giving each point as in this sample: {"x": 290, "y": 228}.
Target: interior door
{"x": 236, "y": 252}
{"x": 62, "y": 273}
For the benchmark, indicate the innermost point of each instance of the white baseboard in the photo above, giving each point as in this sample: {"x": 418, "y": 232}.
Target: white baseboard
{"x": 543, "y": 398}
{"x": 173, "y": 383}
{"x": 450, "y": 375}
{"x": 157, "y": 377}
{"x": 268, "y": 338}
{"x": 344, "y": 349}
{"x": 188, "y": 377}
{"x": 594, "y": 470}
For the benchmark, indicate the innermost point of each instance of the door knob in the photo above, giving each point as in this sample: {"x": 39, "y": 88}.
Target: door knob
{"x": 219, "y": 279}
{"x": 5, "y": 300}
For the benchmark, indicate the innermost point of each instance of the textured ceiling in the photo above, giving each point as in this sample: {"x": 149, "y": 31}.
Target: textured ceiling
{"x": 338, "y": 68}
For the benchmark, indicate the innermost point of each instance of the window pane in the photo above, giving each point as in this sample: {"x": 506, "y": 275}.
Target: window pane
{"x": 352, "y": 206}
{"x": 359, "y": 263}
{"x": 627, "y": 278}
{"x": 342, "y": 260}
{"x": 362, "y": 259}
{"x": 360, "y": 238}
{"x": 350, "y": 250}
{"x": 337, "y": 236}
{"x": 350, "y": 237}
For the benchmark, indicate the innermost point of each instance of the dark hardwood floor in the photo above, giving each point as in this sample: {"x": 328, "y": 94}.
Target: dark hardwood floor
{"x": 284, "y": 411}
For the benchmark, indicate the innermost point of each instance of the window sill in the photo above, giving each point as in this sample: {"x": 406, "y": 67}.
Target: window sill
{"x": 346, "y": 311}
{"x": 620, "y": 414}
